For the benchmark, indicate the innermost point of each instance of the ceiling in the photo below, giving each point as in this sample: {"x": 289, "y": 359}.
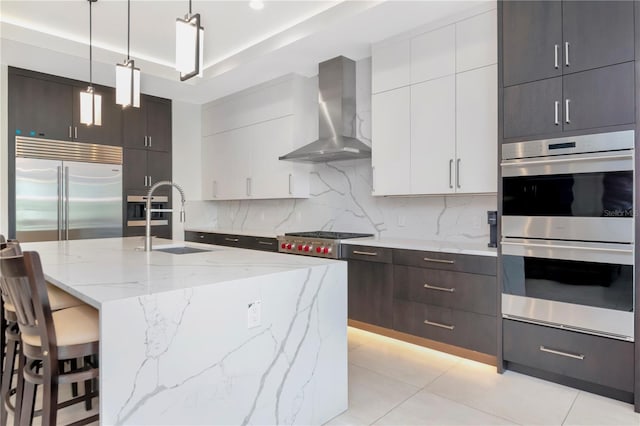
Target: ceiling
{"x": 243, "y": 47}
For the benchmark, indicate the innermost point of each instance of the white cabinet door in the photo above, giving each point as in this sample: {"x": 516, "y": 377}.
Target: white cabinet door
{"x": 208, "y": 167}
{"x": 391, "y": 143}
{"x": 433, "y": 137}
{"x": 230, "y": 165}
{"x": 477, "y": 129}
{"x": 390, "y": 66}
{"x": 270, "y": 177}
{"x": 433, "y": 54}
{"x": 477, "y": 41}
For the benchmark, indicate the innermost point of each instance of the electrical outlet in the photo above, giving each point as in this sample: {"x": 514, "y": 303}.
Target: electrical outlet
{"x": 254, "y": 314}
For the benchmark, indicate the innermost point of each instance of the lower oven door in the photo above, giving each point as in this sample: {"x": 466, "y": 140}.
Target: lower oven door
{"x": 583, "y": 286}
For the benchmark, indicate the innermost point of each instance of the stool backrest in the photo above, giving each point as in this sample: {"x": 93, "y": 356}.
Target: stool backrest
{"x": 25, "y": 284}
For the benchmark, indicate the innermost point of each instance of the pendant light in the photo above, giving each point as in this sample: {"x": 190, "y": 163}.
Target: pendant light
{"x": 127, "y": 75}
{"x": 90, "y": 102}
{"x": 189, "y": 45}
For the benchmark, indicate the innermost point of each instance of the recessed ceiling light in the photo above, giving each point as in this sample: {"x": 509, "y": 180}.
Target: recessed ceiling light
{"x": 256, "y": 4}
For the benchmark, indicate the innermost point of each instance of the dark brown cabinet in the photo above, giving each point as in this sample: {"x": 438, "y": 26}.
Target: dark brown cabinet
{"x": 143, "y": 168}
{"x": 148, "y": 127}
{"x": 370, "y": 284}
{"x": 232, "y": 240}
{"x": 544, "y": 39}
{"x": 49, "y": 108}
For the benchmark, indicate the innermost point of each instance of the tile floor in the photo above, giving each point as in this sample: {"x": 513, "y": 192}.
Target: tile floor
{"x": 397, "y": 383}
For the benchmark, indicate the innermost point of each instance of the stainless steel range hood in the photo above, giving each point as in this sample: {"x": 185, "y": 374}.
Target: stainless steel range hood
{"x": 337, "y": 110}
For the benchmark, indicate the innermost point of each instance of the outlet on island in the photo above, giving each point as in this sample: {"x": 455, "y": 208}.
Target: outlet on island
{"x": 254, "y": 314}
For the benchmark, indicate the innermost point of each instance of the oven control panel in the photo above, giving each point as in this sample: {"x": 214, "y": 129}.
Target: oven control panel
{"x": 316, "y": 247}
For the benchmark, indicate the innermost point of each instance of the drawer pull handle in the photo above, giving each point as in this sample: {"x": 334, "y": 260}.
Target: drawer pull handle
{"x": 448, "y": 262}
{"x": 201, "y": 236}
{"x": 433, "y": 287}
{"x": 266, "y": 243}
{"x": 437, "y": 324}
{"x": 233, "y": 240}
{"x": 561, "y": 353}
{"x": 365, "y": 253}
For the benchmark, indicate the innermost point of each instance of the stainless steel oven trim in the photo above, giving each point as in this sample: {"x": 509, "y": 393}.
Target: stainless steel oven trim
{"x": 143, "y": 199}
{"x": 142, "y": 222}
{"x": 599, "y": 229}
{"x": 585, "y": 319}
{"x": 598, "y": 142}
{"x": 621, "y": 254}
{"x": 568, "y": 164}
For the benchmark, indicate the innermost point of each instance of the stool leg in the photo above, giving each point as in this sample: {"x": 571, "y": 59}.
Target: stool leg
{"x": 20, "y": 388}
{"x": 74, "y": 386}
{"x": 28, "y": 402}
{"x": 7, "y": 377}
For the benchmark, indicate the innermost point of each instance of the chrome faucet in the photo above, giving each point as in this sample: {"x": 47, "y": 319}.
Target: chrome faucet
{"x": 149, "y": 210}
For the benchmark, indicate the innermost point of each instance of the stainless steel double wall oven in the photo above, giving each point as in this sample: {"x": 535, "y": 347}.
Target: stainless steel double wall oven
{"x": 568, "y": 233}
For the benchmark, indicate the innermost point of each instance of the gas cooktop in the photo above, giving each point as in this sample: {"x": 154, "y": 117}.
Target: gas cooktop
{"x": 316, "y": 243}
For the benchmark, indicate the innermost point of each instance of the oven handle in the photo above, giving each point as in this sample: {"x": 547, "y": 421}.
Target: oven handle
{"x": 622, "y": 255}
{"x": 566, "y": 159}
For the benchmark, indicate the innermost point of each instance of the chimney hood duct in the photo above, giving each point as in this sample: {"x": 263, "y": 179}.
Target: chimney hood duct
{"x": 337, "y": 122}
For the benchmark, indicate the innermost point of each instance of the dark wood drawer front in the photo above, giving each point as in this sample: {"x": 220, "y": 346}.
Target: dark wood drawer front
{"x": 485, "y": 265}
{"x": 231, "y": 240}
{"x": 367, "y": 253}
{"x": 607, "y": 362}
{"x": 264, "y": 244}
{"x": 199, "y": 237}
{"x": 370, "y": 292}
{"x": 460, "y": 328}
{"x": 457, "y": 290}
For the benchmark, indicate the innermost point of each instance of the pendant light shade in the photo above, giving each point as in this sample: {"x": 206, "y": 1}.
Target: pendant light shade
{"x": 127, "y": 75}
{"x": 90, "y": 102}
{"x": 189, "y": 46}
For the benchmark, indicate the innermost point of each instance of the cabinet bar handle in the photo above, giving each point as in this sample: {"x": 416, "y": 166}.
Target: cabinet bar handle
{"x": 75, "y": 132}
{"x": 437, "y": 324}
{"x": 433, "y": 287}
{"x": 566, "y": 110}
{"x": 215, "y": 188}
{"x": 70, "y": 132}
{"x": 233, "y": 240}
{"x": 145, "y": 141}
{"x": 201, "y": 236}
{"x": 150, "y": 140}
{"x": 290, "y": 185}
{"x": 458, "y": 173}
{"x": 561, "y": 353}
{"x": 248, "y": 186}
{"x": 149, "y": 180}
{"x": 450, "y": 170}
{"x": 265, "y": 243}
{"x": 365, "y": 253}
{"x": 557, "y": 104}
{"x": 448, "y": 262}
{"x": 145, "y": 181}
{"x": 373, "y": 179}
{"x": 556, "y": 48}
{"x": 566, "y": 53}
{"x": 60, "y": 200}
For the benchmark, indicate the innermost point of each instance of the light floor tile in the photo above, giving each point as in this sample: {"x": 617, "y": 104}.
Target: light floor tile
{"x": 371, "y": 396}
{"x": 513, "y": 396}
{"x": 425, "y": 408}
{"x": 357, "y": 337}
{"x": 403, "y": 361}
{"x": 590, "y": 409}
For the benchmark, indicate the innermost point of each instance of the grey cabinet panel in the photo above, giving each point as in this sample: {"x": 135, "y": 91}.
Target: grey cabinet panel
{"x": 533, "y": 108}
{"x": 447, "y": 261}
{"x": 263, "y": 244}
{"x": 465, "y": 329}
{"x": 134, "y": 126}
{"x": 370, "y": 292}
{"x": 531, "y": 32}
{"x": 367, "y": 253}
{"x": 158, "y": 166}
{"x": 135, "y": 168}
{"x": 232, "y": 240}
{"x": 199, "y": 237}
{"x": 607, "y": 362}
{"x": 158, "y": 125}
{"x": 457, "y": 290}
{"x": 598, "y": 33}
{"x": 599, "y": 98}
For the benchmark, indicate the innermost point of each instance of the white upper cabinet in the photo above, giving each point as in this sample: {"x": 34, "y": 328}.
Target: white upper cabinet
{"x": 390, "y": 66}
{"x": 477, "y": 41}
{"x": 433, "y": 54}
{"x": 391, "y": 153}
{"x": 451, "y": 105}
{"x": 248, "y": 131}
{"x": 433, "y": 136}
{"x": 477, "y": 130}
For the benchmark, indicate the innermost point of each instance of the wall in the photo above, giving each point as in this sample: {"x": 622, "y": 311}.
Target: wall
{"x": 341, "y": 200}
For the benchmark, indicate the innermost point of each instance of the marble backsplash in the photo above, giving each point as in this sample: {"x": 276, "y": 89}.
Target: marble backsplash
{"x": 341, "y": 201}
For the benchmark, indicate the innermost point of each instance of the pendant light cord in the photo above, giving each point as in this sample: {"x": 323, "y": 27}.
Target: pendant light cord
{"x": 128, "y": 27}
{"x": 189, "y": 8}
{"x": 90, "y": 47}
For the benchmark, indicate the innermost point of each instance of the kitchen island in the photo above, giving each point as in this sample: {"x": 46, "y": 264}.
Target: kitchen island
{"x": 222, "y": 336}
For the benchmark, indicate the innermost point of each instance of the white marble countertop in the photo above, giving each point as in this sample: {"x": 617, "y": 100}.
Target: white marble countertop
{"x": 104, "y": 270}
{"x": 459, "y": 247}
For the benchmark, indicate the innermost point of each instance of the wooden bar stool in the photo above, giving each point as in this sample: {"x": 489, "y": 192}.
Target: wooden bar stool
{"x": 48, "y": 338}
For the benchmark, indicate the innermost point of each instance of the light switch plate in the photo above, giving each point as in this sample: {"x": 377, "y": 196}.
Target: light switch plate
{"x": 254, "y": 314}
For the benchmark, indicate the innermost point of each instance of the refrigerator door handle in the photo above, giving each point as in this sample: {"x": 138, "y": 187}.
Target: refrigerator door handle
{"x": 60, "y": 200}
{"x": 66, "y": 202}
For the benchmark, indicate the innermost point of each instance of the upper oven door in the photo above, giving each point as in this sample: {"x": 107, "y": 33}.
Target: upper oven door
{"x": 584, "y": 197}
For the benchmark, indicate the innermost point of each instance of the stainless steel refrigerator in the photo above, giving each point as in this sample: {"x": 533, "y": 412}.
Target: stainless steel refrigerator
{"x": 67, "y": 190}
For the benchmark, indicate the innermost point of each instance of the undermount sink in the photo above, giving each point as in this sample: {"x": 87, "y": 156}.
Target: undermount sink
{"x": 181, "y": 250}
